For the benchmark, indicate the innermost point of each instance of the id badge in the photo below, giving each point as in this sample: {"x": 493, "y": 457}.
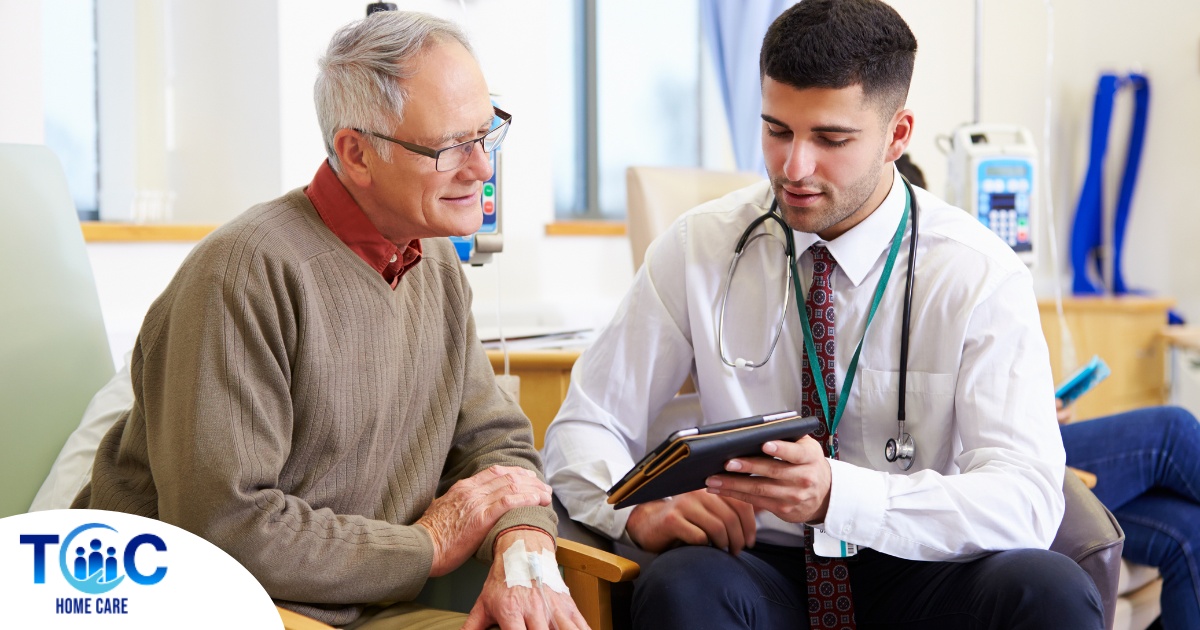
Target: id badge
{"x": 827, "y": 546}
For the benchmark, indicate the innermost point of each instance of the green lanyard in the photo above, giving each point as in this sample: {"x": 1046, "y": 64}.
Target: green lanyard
{"x": 814, "y": 364}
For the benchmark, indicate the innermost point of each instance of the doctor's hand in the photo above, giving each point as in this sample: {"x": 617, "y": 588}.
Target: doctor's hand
{"x": 459, "y": 520}
{"x": 793, "y": 481}
{"x": 694, "y": 518}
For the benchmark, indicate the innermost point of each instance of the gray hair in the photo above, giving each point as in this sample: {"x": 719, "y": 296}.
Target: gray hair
{"x": 360, "y": 79}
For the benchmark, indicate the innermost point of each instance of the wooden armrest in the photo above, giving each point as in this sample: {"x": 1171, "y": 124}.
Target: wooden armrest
{"x": 607, "y": 566}
{"x": 1086, "y": 477}
{"x": 1183, "y": 337}
{"x": 590, "y": 574}
{"x": 296, "y": 621}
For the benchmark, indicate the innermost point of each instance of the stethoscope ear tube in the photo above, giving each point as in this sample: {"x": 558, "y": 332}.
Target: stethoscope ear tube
{"x": 902, "y": 449}
{"x": 790, "y": 248}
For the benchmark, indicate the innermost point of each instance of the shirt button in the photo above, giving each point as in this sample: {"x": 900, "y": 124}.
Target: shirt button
{"x": 847, "y": 528}
{"x": 393, "y": 259}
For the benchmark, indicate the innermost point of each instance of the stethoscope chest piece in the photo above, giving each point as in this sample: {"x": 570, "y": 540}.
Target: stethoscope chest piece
{"x": 900, "y": 449}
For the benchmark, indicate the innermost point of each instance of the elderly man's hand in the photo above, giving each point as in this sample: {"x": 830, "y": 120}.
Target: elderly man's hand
{"x": 694, "y": 518}
{"x": 792, "y": 482}
{"x": 459, "y": 520}
{"x": 522, "y": 607}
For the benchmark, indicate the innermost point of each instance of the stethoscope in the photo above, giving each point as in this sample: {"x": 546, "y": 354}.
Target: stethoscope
{"x": 900, "y": 449}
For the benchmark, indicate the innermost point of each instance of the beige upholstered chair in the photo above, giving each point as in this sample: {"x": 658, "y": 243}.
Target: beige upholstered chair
{"x": 657, "y": 195}
{"x": 1089, "y": 533}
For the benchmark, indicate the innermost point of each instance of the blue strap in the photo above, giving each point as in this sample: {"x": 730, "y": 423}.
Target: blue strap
{"x": 1137, "y": 139}
{"x": 1086, "y": 236}
{"x": 1086, "y": 233}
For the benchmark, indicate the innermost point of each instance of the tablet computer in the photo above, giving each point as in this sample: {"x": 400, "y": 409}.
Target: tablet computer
{"x": 1082, "y": 381}
{"x": 683, "y": 461}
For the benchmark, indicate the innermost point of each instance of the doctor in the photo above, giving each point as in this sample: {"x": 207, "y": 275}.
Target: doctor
{"x": 957, "y": 541}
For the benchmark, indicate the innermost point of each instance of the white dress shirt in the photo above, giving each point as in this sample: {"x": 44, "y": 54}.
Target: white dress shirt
{"x": 980, "y": 399}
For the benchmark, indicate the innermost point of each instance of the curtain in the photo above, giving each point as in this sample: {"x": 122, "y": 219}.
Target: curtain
{"x": 734, "y": 30}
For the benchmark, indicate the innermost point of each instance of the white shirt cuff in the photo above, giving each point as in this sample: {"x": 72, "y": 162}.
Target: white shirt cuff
{"x": 857, "y": 499}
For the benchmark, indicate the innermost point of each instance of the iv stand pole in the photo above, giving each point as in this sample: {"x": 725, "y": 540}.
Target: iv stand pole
{"x": 978, "y": 60}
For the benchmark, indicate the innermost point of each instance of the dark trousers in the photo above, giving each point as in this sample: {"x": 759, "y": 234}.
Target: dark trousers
{"x": 704, "y": 587}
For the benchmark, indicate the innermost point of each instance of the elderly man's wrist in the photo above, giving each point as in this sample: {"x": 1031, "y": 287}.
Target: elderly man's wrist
{"x": 533, "y": 529}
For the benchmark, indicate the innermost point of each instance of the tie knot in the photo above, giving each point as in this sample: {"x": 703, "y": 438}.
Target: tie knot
{"x": 823, "y": 261}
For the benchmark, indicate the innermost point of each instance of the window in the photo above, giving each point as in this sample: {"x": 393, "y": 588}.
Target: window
{"x": 69, "y": 96}
{"x": 638, "y": 95}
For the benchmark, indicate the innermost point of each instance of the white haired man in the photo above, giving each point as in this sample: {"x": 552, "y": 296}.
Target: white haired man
{"x": 309, "y": 391}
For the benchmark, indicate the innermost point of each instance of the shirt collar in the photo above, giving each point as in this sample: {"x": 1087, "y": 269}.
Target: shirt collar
{"x": 343, "y": 216}
{"x": 858, "y": 249}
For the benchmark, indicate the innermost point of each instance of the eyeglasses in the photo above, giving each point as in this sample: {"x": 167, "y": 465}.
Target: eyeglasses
{"x": 452, "y": 157}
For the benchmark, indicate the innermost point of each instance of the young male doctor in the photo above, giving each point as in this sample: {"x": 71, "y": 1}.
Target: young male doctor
{"x": 960, "y": 539}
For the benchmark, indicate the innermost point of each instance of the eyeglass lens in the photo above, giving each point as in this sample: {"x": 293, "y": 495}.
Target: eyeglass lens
{"x": 457, "y": 155}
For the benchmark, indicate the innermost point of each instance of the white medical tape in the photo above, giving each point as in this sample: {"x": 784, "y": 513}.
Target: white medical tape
{"x": 523, "y": 568}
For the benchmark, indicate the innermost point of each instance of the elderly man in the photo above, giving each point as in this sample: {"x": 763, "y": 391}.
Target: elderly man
{"x": 310, "y": 393}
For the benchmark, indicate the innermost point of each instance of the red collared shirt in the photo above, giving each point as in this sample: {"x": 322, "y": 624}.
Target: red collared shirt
{"x": 346, "y": 220}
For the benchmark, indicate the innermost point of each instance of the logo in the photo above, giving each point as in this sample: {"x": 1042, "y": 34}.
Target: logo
{"x": 93, "y": 561}
{"x": 85, "y": 568}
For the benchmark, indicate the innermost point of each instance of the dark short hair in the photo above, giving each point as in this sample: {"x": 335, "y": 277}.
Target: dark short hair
{"x": 839, "y": 43}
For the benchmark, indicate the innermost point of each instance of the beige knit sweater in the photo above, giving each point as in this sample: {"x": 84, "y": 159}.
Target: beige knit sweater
{"x": 296, "y": 411}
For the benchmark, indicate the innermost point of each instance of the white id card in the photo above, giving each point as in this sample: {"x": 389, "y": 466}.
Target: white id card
{"x": 827, "y": 546}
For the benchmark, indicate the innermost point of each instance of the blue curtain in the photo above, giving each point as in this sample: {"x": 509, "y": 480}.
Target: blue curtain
{"x": 734, "y": 30}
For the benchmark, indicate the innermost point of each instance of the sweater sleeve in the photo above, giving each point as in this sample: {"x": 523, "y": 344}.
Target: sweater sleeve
{"x": 213, "y": 372}
{"x": 492, "y": 430}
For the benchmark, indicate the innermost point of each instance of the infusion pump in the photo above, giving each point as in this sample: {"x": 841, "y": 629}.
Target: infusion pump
{"x": 478, "y": 248}
{"x": 993, "y": 175}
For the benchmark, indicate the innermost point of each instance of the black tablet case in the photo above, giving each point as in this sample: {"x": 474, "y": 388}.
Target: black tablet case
{"x": 681, "y": 465}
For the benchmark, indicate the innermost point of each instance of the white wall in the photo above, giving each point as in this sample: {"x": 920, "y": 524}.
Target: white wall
{"x": 21, "y": 118}
{"x": 247, "y": 131}
{"x": 1159, "y": 37}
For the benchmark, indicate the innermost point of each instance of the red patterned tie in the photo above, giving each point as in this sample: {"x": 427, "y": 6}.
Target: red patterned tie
{"x": 829, "y": 602}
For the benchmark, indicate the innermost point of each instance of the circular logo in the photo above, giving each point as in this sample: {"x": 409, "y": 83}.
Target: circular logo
{"x": 90, "y": 571}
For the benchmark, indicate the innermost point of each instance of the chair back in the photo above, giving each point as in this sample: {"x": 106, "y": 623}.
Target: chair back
{"x": 54, "y": 352}
{"x": 1089, "y": 535}
{"x": 656, "y": 196}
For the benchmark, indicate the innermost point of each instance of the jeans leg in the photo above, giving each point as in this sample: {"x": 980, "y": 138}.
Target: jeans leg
{"x": 704, "y": 587}
{"x": 1132, "y": 452}
{"x": 1163, "y": 530}
{"x": 1030, "y": 589}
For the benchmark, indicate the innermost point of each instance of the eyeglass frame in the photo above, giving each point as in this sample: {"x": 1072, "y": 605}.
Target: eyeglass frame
{"x": 505, "y": 121}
